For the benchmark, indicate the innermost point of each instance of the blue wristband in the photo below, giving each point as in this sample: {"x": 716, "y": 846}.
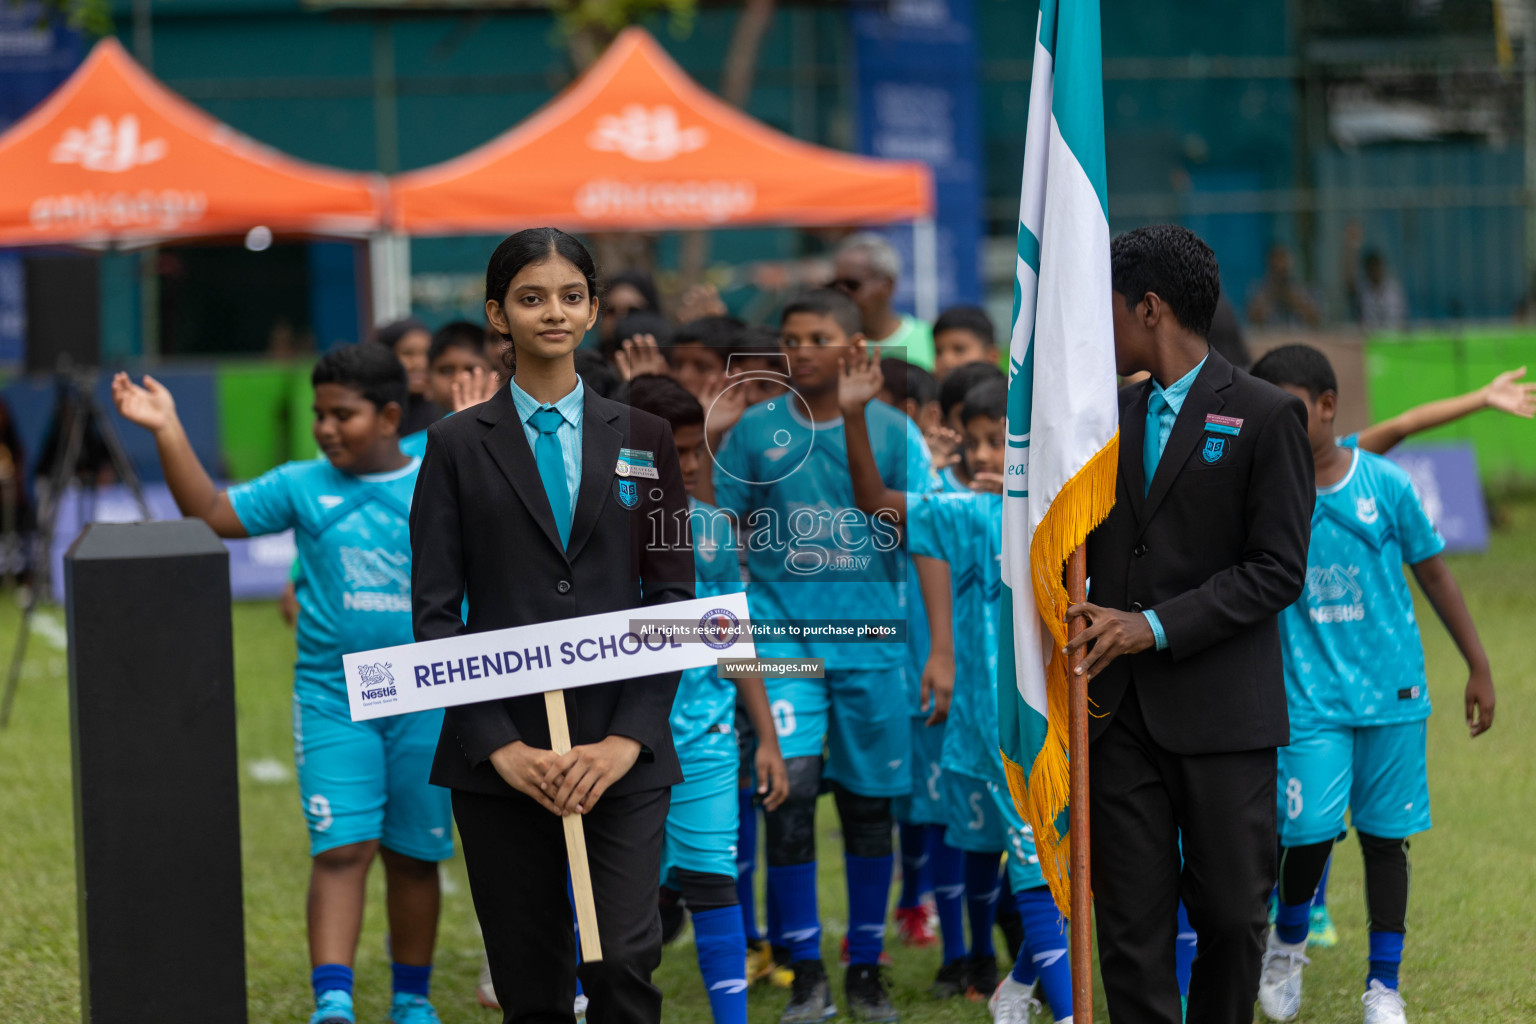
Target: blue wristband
{"x": 1157, "y": 629}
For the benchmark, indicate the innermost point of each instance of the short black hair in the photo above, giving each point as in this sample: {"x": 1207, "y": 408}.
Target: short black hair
{"x": 368, "y": 368}
{"x": 953, "y": 389}
{"x": 904, "y": 380}
{"x": 967, "y": 318}
{"x": 1173, "y": 263}
{"x": 720, "y": 333}
{"x": 758, "y": 340}
{"x": 596, "y": 373}
{"x": 389, "y": 334}
{"x": 989, "y": 398}
{"x": 641, "y": 321}
{"x": 828, "y": 302}
{"x": 457, "y": 334}
{"x": 641, "y": 282}
{"x": 1300, "y": 366}
{"x": 665, "y": 397}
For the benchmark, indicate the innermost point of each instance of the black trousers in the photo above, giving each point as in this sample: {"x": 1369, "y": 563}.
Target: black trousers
{"x": 515, "y": 853}
{"x": 1143, "y": 801}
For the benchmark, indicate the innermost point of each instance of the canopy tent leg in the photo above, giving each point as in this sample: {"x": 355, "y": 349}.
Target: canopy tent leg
{"x": 389, "y": 264}
{"x": 925, "y": 268}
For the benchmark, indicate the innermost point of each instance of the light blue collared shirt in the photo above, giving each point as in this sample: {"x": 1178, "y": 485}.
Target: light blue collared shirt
{"x": 569, "y": 434}
{"x": 1159, "y": 428}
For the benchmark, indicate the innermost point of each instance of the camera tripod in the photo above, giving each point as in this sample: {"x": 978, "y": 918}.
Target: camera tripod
{"x": 77, "y": 412}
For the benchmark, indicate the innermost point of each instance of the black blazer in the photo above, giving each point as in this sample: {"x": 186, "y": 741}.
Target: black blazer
{"x": 481, "y": 525}
{"x": 1217, "y": 548}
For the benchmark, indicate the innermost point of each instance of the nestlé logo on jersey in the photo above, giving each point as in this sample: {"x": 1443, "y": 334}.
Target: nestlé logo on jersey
{"x": 377, "y": 682}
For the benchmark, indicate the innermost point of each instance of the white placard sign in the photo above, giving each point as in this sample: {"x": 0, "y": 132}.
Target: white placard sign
{"x": 558, "y": 655}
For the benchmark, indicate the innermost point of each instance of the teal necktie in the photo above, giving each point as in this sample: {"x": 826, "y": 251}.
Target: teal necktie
{"x": 1151, "y": 445}
{"x": 552, "y": 469}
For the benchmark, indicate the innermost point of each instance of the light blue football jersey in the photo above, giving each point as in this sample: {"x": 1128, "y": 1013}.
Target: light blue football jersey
{"x": 704, "y": 710}
{"x": 1352, "y": 650}
{"x": 811, "y": 554}
{"x": 966, "y": 530}
{"x": 354, "y": 543}
{"x": 414, "y": 445}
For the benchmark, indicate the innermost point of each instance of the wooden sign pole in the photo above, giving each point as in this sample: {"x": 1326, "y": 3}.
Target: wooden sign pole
{"x": 1077, "y": 738}
{"x": 575, "y": 839}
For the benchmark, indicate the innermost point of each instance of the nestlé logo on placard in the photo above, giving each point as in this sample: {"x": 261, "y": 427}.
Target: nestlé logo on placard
{"x": 376, "y": 681}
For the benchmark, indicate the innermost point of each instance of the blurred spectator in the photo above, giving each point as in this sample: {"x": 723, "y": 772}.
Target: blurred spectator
{"x": 962, "y": 334}
{"x": 458, "y": 350}
{"x": 759, "y": 358}
{"x": 635, "y": 325}
{"x": 911, "y": 389}
{"x": 597, "y": 374}
{"x": 411, "y": 342}
{"x": 701, "y": 351}
{"x": 1226, "y": 335}
{"x": 868, "y": 268}
{"x": 1278, "y": 299}
{"x": 1377, "y": 301}
{"x": 627, "y": 292}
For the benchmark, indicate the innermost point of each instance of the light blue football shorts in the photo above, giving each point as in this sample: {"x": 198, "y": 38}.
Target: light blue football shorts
{"x": 1377, "y": 772}
{"x": 703, "y": 821}
{"x": 361, "y": 781}
{"x": 925, "y": 804}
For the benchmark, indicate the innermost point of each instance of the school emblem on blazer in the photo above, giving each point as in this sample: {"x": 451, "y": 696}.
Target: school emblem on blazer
{"x": 628, "y": 492}
{"x": 1215, "y": 448}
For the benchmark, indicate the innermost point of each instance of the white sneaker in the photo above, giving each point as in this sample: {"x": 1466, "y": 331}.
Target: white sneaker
{"x": 1383, "y": 1005}
{"x": 1280, "y": 982}
{"x": 1015, "y": 1003}
{"x": 485, "y": 992}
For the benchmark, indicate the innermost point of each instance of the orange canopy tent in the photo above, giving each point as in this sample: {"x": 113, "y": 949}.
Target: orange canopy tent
{"x": 635, "y": 144}
{"x": 113, "y": 156}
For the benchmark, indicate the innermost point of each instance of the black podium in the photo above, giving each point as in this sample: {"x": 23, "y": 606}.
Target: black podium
{"x": 157, "y": 814}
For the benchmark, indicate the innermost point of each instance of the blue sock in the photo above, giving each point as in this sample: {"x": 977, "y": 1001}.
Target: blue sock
{"x": 1291, "y": 922}
{"x": 722, "y": 948}
{"x": 410, "y": 979}
{"x": 1184, "y": 950}
{"x": 1320, "y": 898}
{"x": 1045, "y": 944}
{"x": 983, "y": 881}
{"x": 794, "y": 893}
{"x": 916, "y": 878}
{"x": 746, "y": 864}
{"x": 948, "y": 866}
{"x": 869, "y": 886}
{"x": 1386, "y": 957}
{"x": 330, "y": 978}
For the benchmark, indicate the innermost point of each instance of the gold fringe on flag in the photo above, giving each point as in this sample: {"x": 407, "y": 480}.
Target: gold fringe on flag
{"x": 1081, "y": 505}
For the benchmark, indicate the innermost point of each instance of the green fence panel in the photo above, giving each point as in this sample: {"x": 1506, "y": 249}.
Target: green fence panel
{"x": 257, "y": 411}
{"x": 1407, "y": 370}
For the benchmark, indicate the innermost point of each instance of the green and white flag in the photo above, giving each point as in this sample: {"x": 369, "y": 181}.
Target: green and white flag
{"x": 1063, "y": 417}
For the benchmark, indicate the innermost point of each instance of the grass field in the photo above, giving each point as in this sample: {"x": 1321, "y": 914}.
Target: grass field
{"x": 1472, "y": 915}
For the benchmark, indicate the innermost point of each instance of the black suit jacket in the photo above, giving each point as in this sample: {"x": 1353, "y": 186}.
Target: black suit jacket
{"x": 481, "y": 525}
{"x": 1217, "y": 548}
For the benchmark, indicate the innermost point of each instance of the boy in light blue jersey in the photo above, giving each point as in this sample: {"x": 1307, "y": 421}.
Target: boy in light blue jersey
{"x": 458, "y": 375}
{"x": 698, "y": 863}
{"x": 812, "y": 556}
{"x": 965, "y": 530}
{"x": 1357, "y": 693}
{"x": 363, "y": 784}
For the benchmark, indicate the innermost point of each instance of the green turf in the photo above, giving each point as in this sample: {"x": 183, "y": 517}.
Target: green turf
{"x": 1472, "y": 916}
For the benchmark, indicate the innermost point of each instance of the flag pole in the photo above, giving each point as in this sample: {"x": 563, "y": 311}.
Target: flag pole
{"x": 1077, "y": 733}
{"x": 575, "y": 839}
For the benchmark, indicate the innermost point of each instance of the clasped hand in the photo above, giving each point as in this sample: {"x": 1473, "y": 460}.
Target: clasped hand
{"x": 569, "y": 783}
{"x": 1111, "y": 632}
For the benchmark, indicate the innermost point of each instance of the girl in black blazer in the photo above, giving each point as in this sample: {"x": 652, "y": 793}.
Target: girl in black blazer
{"x": 518, "y": 509}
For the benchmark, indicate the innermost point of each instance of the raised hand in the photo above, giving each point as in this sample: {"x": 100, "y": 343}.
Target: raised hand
{"x": 1508, "y": 394}
{"x": 481, "y": 387}
{"x": 943, "y": 446}
{"x": 150, "y": 406}
{"x": 700, "y": 300}
{"x": 987, "y": 483}
{"x": 640, "y": 356}
{"x": 860, "y": 380}
{"x": 723, "y": 405}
